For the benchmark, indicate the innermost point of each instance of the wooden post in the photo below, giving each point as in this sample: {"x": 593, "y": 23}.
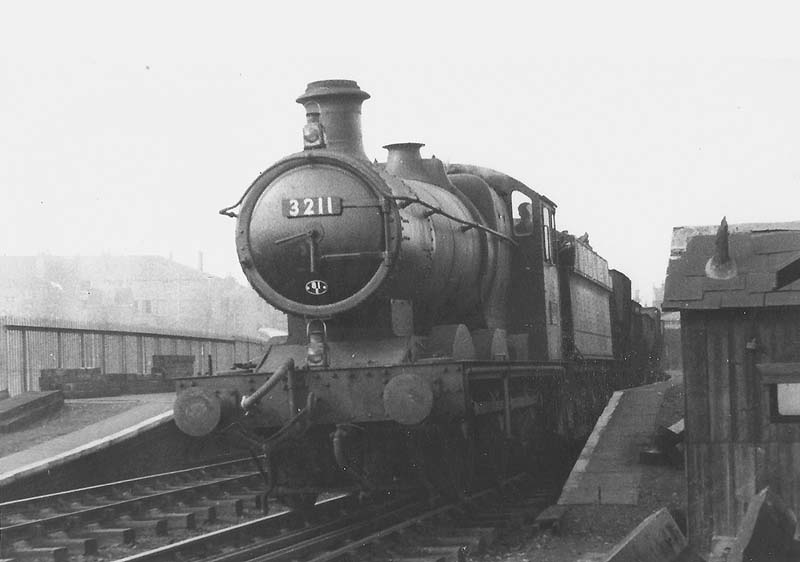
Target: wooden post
{"x": 123, "y": 350}
{"x": 4, "y": 351}
{"x": 507, "y": 404}
{"x": 59, "y": 350}
{"x": 140, "y": 354}
{"x": 103, "y": 354}
{"x": 25, "y": 360}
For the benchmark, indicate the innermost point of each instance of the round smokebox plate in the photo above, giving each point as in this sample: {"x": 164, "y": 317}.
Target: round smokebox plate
{"x": 197, "y": 411}
{"x": 350, "y": 242}
{"x": 408, "y": 399}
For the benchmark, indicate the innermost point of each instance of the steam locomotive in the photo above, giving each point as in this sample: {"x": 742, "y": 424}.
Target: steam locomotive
{"x": 440, "y": 328}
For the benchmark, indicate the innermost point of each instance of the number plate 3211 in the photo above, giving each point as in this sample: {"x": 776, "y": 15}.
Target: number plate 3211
{"x": 312, "y": 206}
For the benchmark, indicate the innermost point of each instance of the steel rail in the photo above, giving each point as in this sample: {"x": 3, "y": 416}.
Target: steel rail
{"x": 321, "y": 541}
{"x": 223, "y": 538}
{"x": 97, "y": 512}
{"x": 415, "y": 520}
{"x": 357, "y": 528}
{"x": 48, "y": 498}
{"x": 101, "y": 507}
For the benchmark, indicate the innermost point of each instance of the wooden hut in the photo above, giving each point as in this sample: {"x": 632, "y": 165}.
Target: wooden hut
{"x": 738, "y": 295}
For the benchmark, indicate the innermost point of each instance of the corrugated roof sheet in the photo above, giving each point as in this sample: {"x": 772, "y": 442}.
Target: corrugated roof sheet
{"x": 767, "y": 255}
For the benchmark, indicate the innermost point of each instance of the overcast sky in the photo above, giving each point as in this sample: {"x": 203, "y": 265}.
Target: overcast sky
{"x": 125, "y": 129}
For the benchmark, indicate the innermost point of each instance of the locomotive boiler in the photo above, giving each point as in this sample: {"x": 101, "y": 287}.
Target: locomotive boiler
{"x": 425, "y": 334}
{"x": 385, "y": 251}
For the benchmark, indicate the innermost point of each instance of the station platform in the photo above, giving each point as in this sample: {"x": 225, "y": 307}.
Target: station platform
{"x": 608, "y": 469}
{"x": 145, "y": 412}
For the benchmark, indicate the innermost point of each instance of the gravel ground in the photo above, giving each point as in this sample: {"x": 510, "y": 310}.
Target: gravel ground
{"x": 597, "y": 528}
{"x": 72, "y": 416}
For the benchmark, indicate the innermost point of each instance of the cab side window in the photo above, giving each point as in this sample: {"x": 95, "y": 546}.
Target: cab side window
{"x": 548, "y": 232}
{"x": 522, "y": 213}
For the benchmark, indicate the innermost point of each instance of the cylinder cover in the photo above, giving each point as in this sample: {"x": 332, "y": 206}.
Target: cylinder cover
{"x": 408, "y": 399}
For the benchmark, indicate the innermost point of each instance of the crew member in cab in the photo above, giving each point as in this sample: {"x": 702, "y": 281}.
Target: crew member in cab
{"x": 524, "y": 225}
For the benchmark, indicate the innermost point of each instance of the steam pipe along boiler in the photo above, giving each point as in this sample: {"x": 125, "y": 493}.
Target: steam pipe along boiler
{"x": 424, "y": 305}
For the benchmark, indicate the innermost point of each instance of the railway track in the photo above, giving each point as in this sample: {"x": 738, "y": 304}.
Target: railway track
{"x": 215, "y": 513}
{"x": 407, "y": 529}
{"x": 449, "y": 532}
{"x": 111, "y": 519}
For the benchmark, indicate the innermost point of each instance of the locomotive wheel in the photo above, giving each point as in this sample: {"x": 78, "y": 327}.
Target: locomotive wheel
{"x": 300, "y": 501}
{"x": 448, "y": 465}
{"x": 303, "y": 502}
{"x": 302, "y": 468}
{"x": 459, "y": 454}
{"x": 444, "y": 460}
{"x": 493, "y": 449}
{"x": 524, "y": 450}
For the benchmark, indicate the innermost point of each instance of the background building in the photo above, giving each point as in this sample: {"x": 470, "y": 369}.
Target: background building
{"x": 143, "y": 291}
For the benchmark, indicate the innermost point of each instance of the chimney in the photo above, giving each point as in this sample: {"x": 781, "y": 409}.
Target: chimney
{"x": 338, "y": 103}
{"x": 721, "y": 264}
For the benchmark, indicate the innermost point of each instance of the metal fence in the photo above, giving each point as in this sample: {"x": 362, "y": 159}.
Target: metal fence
{"x": 28, "y": 345}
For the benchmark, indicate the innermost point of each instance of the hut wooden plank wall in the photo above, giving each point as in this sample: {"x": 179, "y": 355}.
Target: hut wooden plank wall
{"x": 740, "y": 323}
{"x": 27, "y": 346}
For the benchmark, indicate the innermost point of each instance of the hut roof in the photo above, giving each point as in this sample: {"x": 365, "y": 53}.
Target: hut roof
{"x": 760, "y": 266}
